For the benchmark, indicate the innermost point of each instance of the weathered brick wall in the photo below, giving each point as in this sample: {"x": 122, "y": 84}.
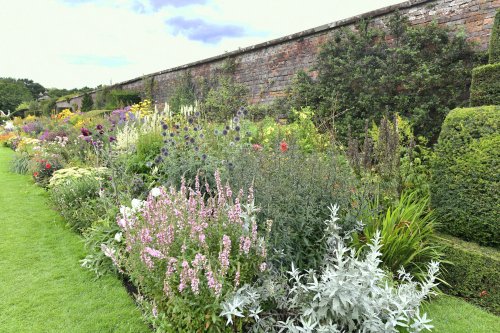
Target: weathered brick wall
{"x": 267, "y": 69}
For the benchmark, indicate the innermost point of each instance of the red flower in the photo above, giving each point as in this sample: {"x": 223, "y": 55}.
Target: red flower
{"x": 35, "y": 174}
{"x": 48, "y": 166}
{"x": 257, "y": 147}
{"x": 283, "y": 146}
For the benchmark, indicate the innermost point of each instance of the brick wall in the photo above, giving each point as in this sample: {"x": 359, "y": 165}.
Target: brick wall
{"x": 267, "y": 69}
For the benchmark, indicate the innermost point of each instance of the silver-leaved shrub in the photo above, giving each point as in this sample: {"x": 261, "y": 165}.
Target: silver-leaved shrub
{"x": 350, "y": 294}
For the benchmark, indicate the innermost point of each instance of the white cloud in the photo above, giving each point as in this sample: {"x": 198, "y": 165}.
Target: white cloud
{"x": 74, "y": 43}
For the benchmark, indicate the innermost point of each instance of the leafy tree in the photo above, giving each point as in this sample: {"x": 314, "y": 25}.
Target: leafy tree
{"x": 419, "y": 72}
{"x": 12, "y": 93}
{"x": 34, "y": 87}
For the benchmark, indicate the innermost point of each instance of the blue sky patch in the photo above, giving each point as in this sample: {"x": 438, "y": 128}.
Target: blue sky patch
{"x": 202, "y": 31}
{"x": 101, "y": 61}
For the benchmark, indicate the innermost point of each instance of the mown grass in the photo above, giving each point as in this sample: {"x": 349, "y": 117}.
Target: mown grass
{"x": 453, "y": 315}
{"x": 42, "y": 286}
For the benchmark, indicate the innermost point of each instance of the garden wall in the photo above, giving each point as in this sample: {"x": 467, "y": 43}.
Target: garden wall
{"x": 268, "y": 68}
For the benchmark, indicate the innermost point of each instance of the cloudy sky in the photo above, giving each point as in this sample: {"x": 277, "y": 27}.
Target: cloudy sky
{"x": 76, "y": 43}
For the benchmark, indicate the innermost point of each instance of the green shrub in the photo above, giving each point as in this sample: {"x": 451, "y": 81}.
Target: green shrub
{"x": 87, "y": 103}
{"x": 121, "y": 98}
{"x": 465, "y": 178}
{"x": 421, "y": 75}
{"x": 292, "y": 189}
{"x": 105, "y": 232}
{"x": 110, "y": 99}
{"x": 148, "y": 147}
{"x": 224, "y": 99}
{"x": 407, "y": 231}
{"x": 494, "y": 48}
{"x": 184, "y": 93}
{"x": 79, "y": 202}
{"x": 485, "y": 87}
{"x": 473, "y": 274}
{"x": 20, "y": 163}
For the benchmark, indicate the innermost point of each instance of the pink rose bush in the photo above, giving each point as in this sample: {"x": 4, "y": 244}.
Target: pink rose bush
{"x": 186, "y": 249}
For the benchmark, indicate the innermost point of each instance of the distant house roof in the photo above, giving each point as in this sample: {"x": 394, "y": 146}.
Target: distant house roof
{"x": 43, "y": 96}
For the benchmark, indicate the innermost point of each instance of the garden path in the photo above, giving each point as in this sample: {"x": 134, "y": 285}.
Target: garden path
{"x": 42, "y": 286}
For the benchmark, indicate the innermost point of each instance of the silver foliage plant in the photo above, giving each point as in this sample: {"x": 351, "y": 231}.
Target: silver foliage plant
{"x": 350, "y": 294}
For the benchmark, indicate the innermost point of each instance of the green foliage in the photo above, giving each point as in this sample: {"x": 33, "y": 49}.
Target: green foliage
{"x": 68, "y": 97}
{"x": 87, "y": 103}
{"x": 473, "y": 274}
{"x": 35, "y": 88}
{"x": 147, "y": 149}
{"x": 494, "y": 48}
{"x": 485, "y": 87}
{"x": 292, "y": 189}
{"x": 20, "y": 163}
{"x": 24, "y": 106}
{"x": 224, "y": 99}
{"x": 12, "y": 94}
{"x": 109, "y": 99}
{"x": 78, "y": 201}
{"x": 407, "y": 231}
{"x": 391, "y": 157}
{"x": 184, "y": 93}
{"x": 101, "y": 97}
{"x": 43, "y": 168}
{"x": 57, "y": 93}
{"x": 465, "y": 178}
{"x": 47, "y": 106}
{"x": 421, "y": 75}
{"x": 148, "y": 84}
{"x": 101, "y": 232}
{"x": 120, "y": 98}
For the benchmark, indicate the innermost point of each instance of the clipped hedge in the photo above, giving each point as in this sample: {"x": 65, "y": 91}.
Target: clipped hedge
{"x": 485, "y": 86}
{"x": 465, "y": 178}
{"x": 494, "y": 48}
{"x": 474, "y": 273}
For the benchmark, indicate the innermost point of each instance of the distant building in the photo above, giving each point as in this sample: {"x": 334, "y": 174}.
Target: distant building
{"x": 43, "y": 96}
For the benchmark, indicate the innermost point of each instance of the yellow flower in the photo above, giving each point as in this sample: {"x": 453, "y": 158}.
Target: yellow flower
{"x": 66, "y": 113}
{"x": 29, "y": 118}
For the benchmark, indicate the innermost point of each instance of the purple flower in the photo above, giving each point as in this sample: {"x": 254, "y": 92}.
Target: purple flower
{"x": 85, "y": 131}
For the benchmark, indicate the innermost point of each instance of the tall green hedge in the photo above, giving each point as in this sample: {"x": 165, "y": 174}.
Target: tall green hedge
{"x": 495, "y": 40}
{"x": 473, "y": 273}
{"x": 465, "y": 175}
{"x": 485, "y": 87}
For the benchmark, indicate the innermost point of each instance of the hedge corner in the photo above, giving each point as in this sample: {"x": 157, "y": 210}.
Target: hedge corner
{"x": 473, "y": 273}
{"x": 485, "y": 87}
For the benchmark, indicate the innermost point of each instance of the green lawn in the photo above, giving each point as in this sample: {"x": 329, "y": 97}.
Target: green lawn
{"x": 453, "y": 315}
{"x": 42, "y": 286}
